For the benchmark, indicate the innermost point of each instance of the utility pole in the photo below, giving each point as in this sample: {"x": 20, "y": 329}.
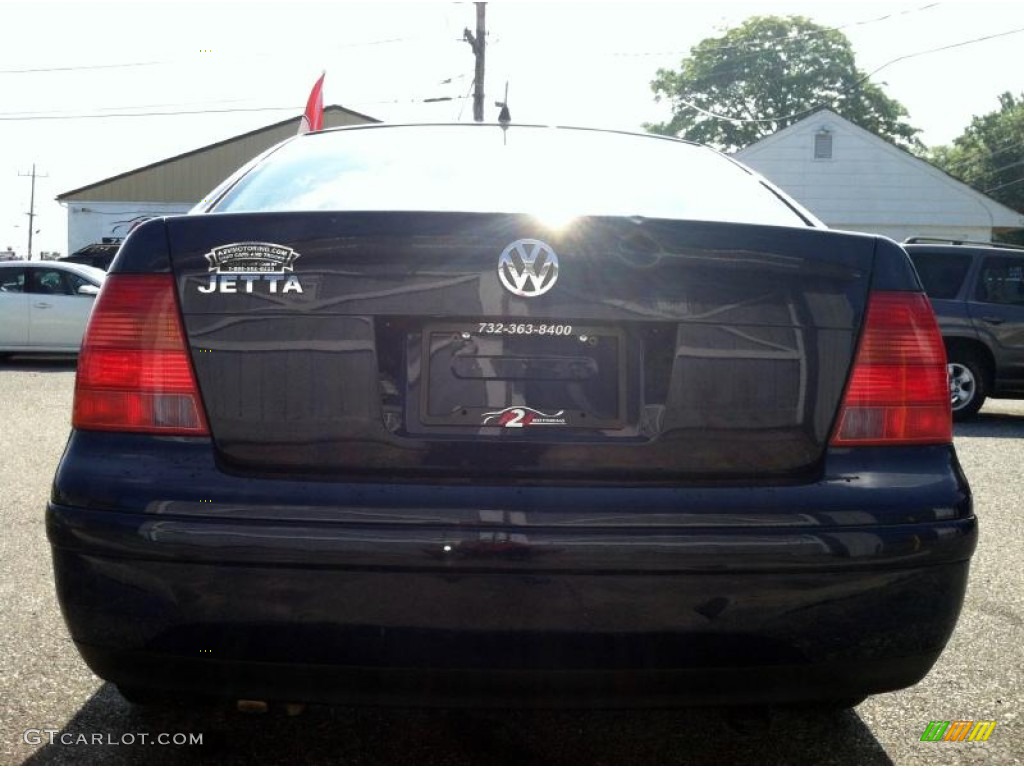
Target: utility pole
{"x": 31, "y": 208}
{"x": 478, "y": 43}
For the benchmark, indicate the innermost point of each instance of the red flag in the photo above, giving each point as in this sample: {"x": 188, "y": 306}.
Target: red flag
{"x": 313, "y": 120}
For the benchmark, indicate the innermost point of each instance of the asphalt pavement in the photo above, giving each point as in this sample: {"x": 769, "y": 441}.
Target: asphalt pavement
{"x": 53, "y": 711}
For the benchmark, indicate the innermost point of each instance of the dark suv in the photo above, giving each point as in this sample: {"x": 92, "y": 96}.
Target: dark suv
{"x": 977, "y": 290}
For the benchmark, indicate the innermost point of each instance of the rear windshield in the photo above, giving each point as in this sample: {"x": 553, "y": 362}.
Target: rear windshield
{"x": 549, "y": 172}
{"x": 942, "y": 274}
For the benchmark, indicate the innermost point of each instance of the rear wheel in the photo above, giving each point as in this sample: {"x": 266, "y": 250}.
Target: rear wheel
{"x": 967, "y": 388}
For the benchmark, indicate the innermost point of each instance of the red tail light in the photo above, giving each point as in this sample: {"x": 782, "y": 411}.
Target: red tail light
{"x": 898, "y": 393}
{"x": 134, "y": 372}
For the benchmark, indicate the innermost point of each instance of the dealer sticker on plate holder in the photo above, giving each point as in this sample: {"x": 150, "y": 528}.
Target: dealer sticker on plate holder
{"x": 522, "y": 376}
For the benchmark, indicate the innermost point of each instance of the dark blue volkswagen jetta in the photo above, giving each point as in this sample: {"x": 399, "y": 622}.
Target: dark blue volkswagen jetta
{"x": 508, "y": 414}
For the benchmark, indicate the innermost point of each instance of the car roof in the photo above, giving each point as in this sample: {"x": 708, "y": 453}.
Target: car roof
{"x": 504, "y": 127}
{"x": 947, "y": 246}
{"x": 70, "y": 266}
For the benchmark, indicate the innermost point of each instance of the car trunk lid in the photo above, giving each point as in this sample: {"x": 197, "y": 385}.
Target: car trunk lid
{"x": 396, "y": 344}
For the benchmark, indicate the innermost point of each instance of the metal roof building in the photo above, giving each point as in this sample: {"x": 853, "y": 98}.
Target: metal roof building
{"x": 107, "y": 210}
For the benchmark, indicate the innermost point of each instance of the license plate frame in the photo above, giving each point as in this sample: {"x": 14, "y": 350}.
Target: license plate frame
{"x": 550, "y": 376}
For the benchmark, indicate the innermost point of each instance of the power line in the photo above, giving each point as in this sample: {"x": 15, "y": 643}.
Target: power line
{"x": 62, "y": 112}
{"x": 1004, "y": 186}
{"x": 785, "y": 41}
{"x": 429, "y": 100}
{"x": 296, "y": 109}
{"x": 845, "y": 91}
{"x": 981, "y": 159}
{"x": 736, "y": 65}
{"x": 160, "y": 62}
{"x": 464, "y": 99}
{"x": 79, "y": 67}
{"x": 951, "y": 46}
{"x": 21, "y": 117}
{"x": 994, "y": 171}
{"x": 982, "y": 156}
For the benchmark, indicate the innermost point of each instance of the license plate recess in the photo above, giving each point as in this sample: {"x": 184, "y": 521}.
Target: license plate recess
{"x": 522, "y": 375}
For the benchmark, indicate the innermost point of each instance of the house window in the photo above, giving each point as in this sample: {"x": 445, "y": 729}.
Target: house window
{"x": 823, "y": 145}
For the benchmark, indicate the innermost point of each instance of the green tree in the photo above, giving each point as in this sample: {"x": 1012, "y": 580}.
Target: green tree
{"x": 989, "y": 154}
{"x": 767, "y": 73}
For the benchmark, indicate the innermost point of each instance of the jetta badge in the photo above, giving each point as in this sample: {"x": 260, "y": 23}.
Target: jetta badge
{"x": 528, "y": 267}
{"x": 236, "y": 267}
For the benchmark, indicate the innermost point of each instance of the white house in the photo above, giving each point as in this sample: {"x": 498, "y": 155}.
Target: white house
{"x": 852, "y": 179}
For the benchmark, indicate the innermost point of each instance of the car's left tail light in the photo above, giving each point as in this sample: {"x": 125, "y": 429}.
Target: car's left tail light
{"x": 134, "y": 371}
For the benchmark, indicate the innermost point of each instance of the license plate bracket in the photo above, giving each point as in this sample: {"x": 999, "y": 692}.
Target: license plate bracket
{"x": 522, "y": 376}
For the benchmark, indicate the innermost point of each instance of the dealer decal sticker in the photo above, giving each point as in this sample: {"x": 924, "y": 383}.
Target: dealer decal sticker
{"x": 519, "y": 416}
{"x": 239, "y": 267}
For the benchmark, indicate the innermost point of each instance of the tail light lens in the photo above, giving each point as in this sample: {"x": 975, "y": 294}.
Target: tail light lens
{"x": 134, "y": 372}
{"x": 898, "y": 392}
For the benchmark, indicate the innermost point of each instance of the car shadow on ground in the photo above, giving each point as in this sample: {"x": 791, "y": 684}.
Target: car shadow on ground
{"x": 375, "y": 736}
{"x": 38, "y": 363}
{"x": 991, "y": 425}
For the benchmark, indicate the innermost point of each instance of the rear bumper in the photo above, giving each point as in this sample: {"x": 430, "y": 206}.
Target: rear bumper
{"x": 318, "y": 634}
{"x": 537, "y": 602}
{"x": 599, "y": 688}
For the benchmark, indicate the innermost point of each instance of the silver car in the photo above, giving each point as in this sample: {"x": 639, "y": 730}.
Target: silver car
{"x": 45, "y": 305}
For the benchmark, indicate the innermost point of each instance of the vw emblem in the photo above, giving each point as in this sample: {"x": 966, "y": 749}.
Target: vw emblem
{"x": 528, "y": 267}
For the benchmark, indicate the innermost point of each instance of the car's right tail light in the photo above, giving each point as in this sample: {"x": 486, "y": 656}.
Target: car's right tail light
{"x": 898, "y": 391}
{"x": 134, "y": 371}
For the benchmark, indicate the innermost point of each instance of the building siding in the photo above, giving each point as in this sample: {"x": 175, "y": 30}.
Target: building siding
{"x": 109, "y": 208}
{"x": 93, "y": 221}
{"x": 869, "y": 185}
{"x": 187, "y": 178}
